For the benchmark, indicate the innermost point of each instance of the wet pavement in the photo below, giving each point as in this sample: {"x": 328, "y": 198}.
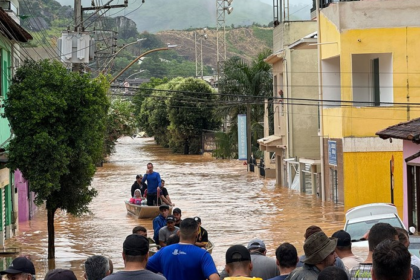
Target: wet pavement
{"x": 234, "y": 206}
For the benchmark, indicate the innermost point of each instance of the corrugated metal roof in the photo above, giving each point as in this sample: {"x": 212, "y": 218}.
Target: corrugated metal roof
{"x": 406, "y": 130}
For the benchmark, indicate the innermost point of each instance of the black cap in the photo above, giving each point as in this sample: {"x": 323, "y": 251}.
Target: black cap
{"x": 20, "y": 265}
{"x": 237, "y": 253}
{"x": 170, "y": 218}
{"x": 139, "y": 176}
{"x": 136, "y": 245}
{"x": 177, "y": 210}
{"x": 60, "y": 274}
{"x": 197, "y": 219}
{"x": 163, "y": 207}
{"x": 343, "y": 238}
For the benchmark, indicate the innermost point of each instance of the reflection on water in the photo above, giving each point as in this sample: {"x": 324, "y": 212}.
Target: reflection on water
{"x": 234, "y": 206}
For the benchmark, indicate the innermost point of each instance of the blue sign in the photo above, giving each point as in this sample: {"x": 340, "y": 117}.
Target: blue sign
{"x": 242, "y": 151}
{"x": 332, "y": 152}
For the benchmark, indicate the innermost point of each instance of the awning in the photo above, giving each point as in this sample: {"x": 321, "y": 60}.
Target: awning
{"x": 270, "y": 143}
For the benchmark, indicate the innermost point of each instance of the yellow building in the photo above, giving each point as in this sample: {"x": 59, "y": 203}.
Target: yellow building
{"x": 370, "y": 71}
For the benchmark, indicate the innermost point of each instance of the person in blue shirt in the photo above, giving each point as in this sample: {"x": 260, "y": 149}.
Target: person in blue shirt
{"x": 184, "y": 261}
{"x": 153, "y": 183}
{"x": 160, "y": 221}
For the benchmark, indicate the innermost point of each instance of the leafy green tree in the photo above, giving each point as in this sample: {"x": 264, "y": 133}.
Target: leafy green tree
{"x": 245, "y": 86}
{"x": 120, "y": 121}
{"x": 58, "y": 119}
{"x": 191, "y": 109}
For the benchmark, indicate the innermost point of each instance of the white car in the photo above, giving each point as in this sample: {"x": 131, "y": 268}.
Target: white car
{"x": 360, "y": 219}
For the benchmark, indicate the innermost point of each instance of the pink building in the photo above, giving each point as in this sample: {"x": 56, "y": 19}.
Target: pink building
{"x": 409, "y": 132}
{"x": 25, "y": 198}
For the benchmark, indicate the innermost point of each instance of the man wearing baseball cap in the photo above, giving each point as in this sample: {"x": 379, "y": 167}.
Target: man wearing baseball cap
{"x": 177, "y": 214}
{"x": 167, "y": 231}
{"x": 343, "y": 249}
{"x": 21, "y": 268}
{"x": 202, "y": 236}
{"x": 135, "y": 255}
{"x": 238, "y": 263}
{"x": 319, "y": 252}
{"x": 263, "y": 267}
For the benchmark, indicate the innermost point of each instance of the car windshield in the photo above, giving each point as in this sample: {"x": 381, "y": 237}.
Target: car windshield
{"x": 359, "y": 229}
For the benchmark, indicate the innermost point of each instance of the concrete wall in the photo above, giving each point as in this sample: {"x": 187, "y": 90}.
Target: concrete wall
{"x": 368, "y": 14}
{"x": 291, "y": 31}
{"x": 303, "y": 119}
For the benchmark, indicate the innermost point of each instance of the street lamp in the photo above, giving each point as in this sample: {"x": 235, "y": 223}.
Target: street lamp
{"x": 123, "y": 47}
{"x": 140, "y": 56}
{"x": 135, "y": 73}
{"x": 199, "y": 55}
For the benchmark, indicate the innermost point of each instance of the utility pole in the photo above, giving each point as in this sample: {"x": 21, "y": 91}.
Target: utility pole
{"x": 76, "y": 47}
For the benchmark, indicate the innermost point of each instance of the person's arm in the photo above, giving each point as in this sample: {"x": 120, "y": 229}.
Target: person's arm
{"x": 214, "y": 276}
{"x": 158, "y": 179}
{"x": 162, "y": 238}
{"x": 132, "y": 200}
{"x": 169, "y": 202}
{"x": 133, "y": 188}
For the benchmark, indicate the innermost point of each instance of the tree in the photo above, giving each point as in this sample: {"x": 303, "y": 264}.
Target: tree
{"x": 58, "y": 119}
{"x": 120, "y": 121}
{"x": 191, "y": 109}
{"x": 245, "y": 86}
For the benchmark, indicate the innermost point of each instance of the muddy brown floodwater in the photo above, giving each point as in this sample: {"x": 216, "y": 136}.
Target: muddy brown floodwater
{"x": 234, "y": 206}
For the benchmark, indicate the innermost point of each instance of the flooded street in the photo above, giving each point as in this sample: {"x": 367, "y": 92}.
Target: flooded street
{"x": 234, "y": 206}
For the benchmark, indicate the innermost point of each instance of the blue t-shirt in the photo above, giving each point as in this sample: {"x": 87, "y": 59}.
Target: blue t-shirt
{"x": 153, "y": 182}
{"x": 158, "y": 223}
{"x": 182, "y": 262}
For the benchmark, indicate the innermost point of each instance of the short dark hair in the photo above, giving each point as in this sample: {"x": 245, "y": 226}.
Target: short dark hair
{"x": 96, "y": 267}
{"x": 130, "y": 258}
{"x": 188, "y": 228}
{"x": 380, "y": 232}
{"x": 139, "y": 228}
{"x": 149, "y": 163}
{"x": 402, "y": 235}
{"x": 286, "y": 255}
{"x": 311, "y": 230}
{"x": 173, "y": 239}
{"x": 332, "y": 273}
{"x": 391, "y": 261}
{"x": 162, "y": 180}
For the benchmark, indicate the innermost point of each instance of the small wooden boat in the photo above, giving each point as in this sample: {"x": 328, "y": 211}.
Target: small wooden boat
{"x": 143, "y": 211}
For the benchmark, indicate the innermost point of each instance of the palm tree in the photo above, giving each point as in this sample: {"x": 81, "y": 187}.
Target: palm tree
{"x": 243, "y": 88}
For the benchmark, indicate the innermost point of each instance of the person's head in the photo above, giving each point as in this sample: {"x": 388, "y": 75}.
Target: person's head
{"x": 177, "y": 214}
{"x": 257, "y": 246}
{"x": 391, "y": 261}
{"x": 332, "y": 273}
{"x": 139, "y": 178}
{"x": 135, "y": 249}
{"x": 380, "y": 232}
{"x": 60, "y": 274}
{"x": 150, "y": 167}
{"x": 96, "y": 268}
{"x": 238, "y": 261}
{"x": 140, "y": 230}
{"x": 320, "y": 250}
{"x": 403, "y": 236}
{"x": 343, "y": 240}
{"x": 198, "y": 220}
{"x": 173, "y": 239}
{"x": 170, "y": 222}
{"x": 137, "y": 193}
{"x": 162, "y": 183}
{"x": 164, "y": 210}
{"x": 188, "y": 229}
{"x": 286, "y": 256}
{"x": 311, "y": 230}
{"x": 21, "y": 268}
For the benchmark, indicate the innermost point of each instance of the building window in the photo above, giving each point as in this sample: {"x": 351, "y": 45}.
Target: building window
{"x": 375, "y": 83}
